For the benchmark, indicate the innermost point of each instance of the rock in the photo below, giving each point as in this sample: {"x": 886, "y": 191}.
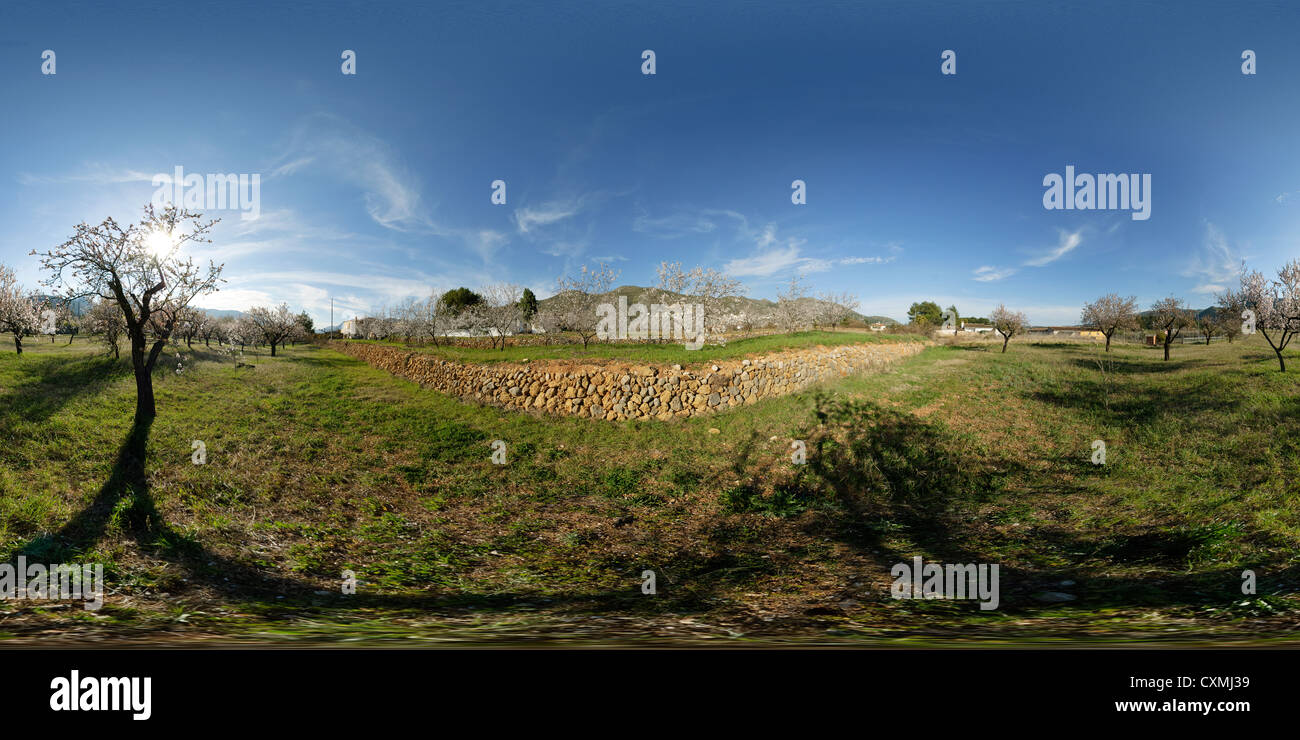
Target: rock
{"x": 614, "y": 391}
{"x": 714, "y": 430}
{"x": 1054, "y": 597}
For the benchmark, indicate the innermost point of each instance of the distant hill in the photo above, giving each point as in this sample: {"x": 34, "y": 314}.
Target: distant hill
{"x": 79, "y": 305}
{"x": 1198, "y": 313}
{"x": 218, "y": 313}
{"x": 758, "y": 310}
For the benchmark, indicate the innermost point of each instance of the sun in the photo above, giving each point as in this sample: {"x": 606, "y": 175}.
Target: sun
{"x": 159, "y": 243}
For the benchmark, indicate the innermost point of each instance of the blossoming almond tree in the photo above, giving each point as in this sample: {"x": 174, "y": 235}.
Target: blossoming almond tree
{"x": 140, "y": 267}
{"x": 1109, "y": 314}
{"x": 1008, "y": 323}
{"x": 1276, "y": 304}
{"x": 18, "y": 313}
{"x": 1170, "y": 316}
{"x": 274, "y": 325}
{"x": 577, "y": 298}
{"x": 105, "y": 319}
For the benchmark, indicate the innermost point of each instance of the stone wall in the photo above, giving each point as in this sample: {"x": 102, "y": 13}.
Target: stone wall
{"x": 616, "y": 390}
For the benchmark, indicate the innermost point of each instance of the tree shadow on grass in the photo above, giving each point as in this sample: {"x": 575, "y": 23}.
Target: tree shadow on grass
{"x": 894, "y": 476}
{"x": 1139, "y": 405}
{"x": 887, "y": 473}
{"x": 1127, "y": 366}
{"x": 124, "y": 502}
{"x": 51, "y": 382}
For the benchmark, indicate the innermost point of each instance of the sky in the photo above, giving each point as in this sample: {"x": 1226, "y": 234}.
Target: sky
{"x": 377, "y": 186}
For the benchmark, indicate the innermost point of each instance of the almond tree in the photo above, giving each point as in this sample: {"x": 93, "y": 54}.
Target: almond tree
{"x": 105, "y": 319}
{"x": 836, "y": 309}
{"x": 1228, "y": 313}
{"x": 408, "y": 320}
{"x": 60, "y": 311}
{"x": 706, "y": 286}
{"x": 550, "y": 321}
{"x": 436, "y": 317}
{"x": 577, "y": 296}
{"x": 71, "y": 321}
{"x": 188, "y": 325}
{"x": 1208, "y": 324}
{"x": 1276, "y": 304}
{"x": 1008, "y": 323}
{"x": 791, "y": 313}
{"x": 499, "y": 313}
{"x": 1109, "y": 314}
{"x": 140, "y": 267}
{"x": 1170, "y": 316}
{"x": 209, "y": 327}
{"x": 18, "y": 312}
{"x": 274, "y": 325}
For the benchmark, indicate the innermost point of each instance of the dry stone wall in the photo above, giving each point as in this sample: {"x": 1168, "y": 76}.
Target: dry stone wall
{"x": 615, "y": 391}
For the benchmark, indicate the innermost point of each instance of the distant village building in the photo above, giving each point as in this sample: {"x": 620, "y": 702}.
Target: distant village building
{"x": 966, "y": 329}
{"x": 1081, "y": 332}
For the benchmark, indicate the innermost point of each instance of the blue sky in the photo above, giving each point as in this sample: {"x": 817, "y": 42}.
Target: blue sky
{"x": 919, "y": 186}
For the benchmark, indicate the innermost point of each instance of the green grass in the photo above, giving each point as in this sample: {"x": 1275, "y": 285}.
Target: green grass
{"x": 318, "y": 463}
{"x": 668, "y": 353}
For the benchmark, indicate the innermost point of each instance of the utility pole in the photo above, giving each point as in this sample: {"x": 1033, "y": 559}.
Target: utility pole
{"x": 331, "y": 316}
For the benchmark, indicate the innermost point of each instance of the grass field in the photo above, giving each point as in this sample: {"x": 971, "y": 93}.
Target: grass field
{"x": 318, "y": 463}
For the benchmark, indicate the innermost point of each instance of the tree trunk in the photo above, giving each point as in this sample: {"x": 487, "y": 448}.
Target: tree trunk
{"x": 1005, "y": 339}
{"x": 144, "y": 405}
{"x": 18, "y": 343}
{"x": 1108, "y": 341}
{"x": 1167, "y": 348}
{"x": 1281, "y": 361}
{"x": 142, "y": 364}
{"x": 273, "y": 349}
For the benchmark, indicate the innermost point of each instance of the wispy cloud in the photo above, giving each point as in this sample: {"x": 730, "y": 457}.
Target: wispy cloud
{"x": 1066, "y": 244}
{"x": 529, "y": 218}
{"x": 989, "y": 273}
{"x": 773, "y": 254}
{"x": 389, "y": 192}
{"x": 866, "y": 260}
{"x": 1216, "y": 265}
{"x": 93, "y": 174}
{"x": 675, "y": 225}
